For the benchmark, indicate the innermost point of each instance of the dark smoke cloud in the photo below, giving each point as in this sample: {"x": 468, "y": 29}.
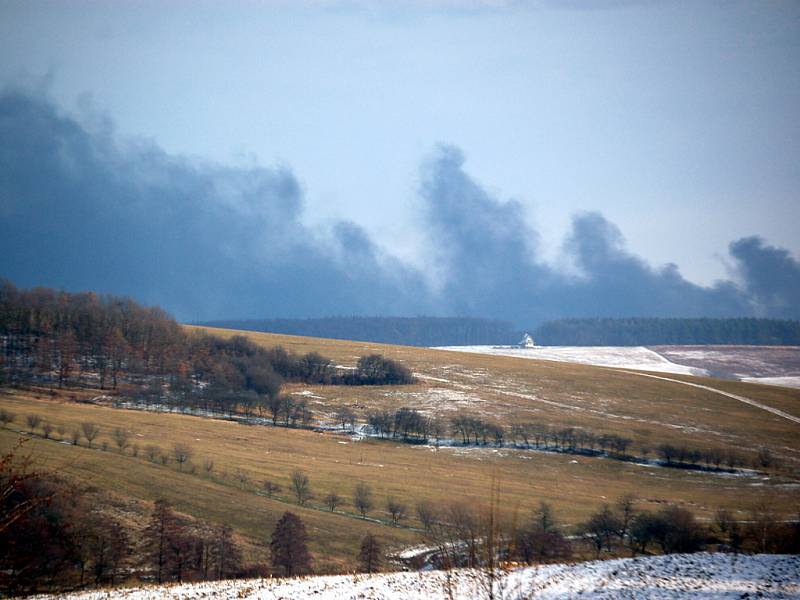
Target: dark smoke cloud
{"x": 771, "y": 277}
{"x": 483, "y": 245}
{"x": 81, "y": 209}
{"x": 617, "y": 282}
{"x": 492, "y": 268}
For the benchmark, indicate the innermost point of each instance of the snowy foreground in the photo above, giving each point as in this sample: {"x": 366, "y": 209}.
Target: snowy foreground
{"x": 717, "y": 576}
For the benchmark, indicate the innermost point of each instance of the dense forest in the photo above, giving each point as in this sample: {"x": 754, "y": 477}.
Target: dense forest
{"x": 654, "y": 331}
{"x": 61, "y": 339}
{"x": 409, "y": 331}
{"x": 468, "y": 331}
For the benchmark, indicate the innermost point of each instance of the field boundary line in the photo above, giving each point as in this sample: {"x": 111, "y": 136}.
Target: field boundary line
{"x": 743, "y": 399}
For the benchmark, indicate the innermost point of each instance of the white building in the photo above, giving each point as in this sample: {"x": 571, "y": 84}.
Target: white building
{"x": 526, "y": 341}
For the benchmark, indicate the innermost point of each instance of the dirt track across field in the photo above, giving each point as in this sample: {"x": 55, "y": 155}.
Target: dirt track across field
{"x": 749, "y": 401}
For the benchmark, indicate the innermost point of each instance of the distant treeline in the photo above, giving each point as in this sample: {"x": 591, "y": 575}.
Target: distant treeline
{"x": 409, "y": 331}
{"x": 654, "y": 331}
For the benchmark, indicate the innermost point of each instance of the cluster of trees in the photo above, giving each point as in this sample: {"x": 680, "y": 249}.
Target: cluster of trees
{"x": 674, "y": 529}
{"x": 409, "y": 331}
{"x": 375, "y": 369}
{"x": 407, "y": 424}
{"x": 66, "y": 339}
{"x": 54, "y": 535}
{"x": 178, "y": 551}
{"x": 656, "y": 331}
{"x": 465, "y": 535}
{"x": 711, "y": 458}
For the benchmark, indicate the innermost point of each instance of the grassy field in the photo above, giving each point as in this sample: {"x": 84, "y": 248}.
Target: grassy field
{"x": 603, "y": 400}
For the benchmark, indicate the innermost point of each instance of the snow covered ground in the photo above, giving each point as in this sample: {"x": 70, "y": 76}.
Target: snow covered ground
{"x": 769, "y": 365}
{"x": 628, "y": 357}
{"x": 677, "y": 576}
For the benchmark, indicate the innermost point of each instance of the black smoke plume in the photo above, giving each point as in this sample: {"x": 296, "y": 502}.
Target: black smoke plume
{"x": 82, "y": 209}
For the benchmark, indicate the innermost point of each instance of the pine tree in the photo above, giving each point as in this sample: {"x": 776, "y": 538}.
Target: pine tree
{"x": 159, "y": 535}
{"x": 288, "y": 545}
{"x": 370, "y": 556}
{"x": 227, "y": 555}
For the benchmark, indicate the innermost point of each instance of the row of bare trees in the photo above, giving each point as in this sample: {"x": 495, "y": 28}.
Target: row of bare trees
{"x": 612, "y": 527}
{"x": 712, "y": 458}
{"x": 409, "y": 425}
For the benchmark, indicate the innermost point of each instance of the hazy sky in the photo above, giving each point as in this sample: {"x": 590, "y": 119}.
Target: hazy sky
{"x": 679, "y": 122}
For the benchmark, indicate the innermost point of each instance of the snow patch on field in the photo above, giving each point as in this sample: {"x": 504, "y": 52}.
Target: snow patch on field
{"x": 677, "y": 576}
{"x": 438, "y": 399}
{"x": 308, "y": 394}
{"x": 635, "y": 357}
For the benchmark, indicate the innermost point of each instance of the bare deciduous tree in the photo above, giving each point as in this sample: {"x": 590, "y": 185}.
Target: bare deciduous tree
{"x": 182, "y": 453}
{"x": 271, "y": 488}
{"x": 427, "y": 514}
{"x": 33, "y": 422}
{"x": 121, "y": 438}
{"x": 345, "y": 416}
{"x": 152, "y": 452}
{"x": 601, "y": 528}
{"x": 301, "y": 485}
{"x": 332, "y": 500}
{"x": 90, "y": 431}
{"x": 242, "y": 477}
{"x": 626, "y": 509}
{"x": 6, "y": 416}
{"x": 396, "y": 509}
{"x": 362, "y": 498}
{"x": 727, "y": 527}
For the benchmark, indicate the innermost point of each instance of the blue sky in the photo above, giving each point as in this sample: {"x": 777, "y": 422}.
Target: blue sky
{"x": 678, "y": 121}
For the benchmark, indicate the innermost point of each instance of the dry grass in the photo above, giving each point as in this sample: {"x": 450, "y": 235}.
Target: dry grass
{"x": 557, "y": 394}
{"x": 599, "y": 399}
{"x": 576, "y": 485}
